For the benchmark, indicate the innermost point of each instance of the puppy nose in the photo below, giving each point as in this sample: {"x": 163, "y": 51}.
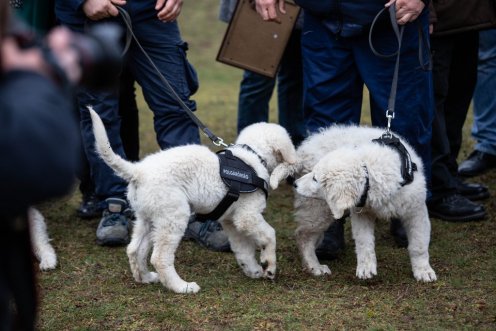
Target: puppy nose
{"x": 295, "y": 185}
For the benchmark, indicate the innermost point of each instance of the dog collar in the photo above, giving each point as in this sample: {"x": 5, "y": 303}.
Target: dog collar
{"x": 248, "y": 148}
{"x": 365, "y": 193}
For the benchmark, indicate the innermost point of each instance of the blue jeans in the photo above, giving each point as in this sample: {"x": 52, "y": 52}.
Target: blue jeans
{"x": 256, "y": 90}
{"x": 173, "y": 127}
{"x": 484, "y": 128}
{"x": 336, "y": 68}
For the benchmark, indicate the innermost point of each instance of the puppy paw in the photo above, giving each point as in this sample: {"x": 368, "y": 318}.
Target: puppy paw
{"x": 320, "y": 270}
{"x": 150, "y": 277}
{"x": 188, "y": 288}
{"x": 48, "y": 262}
{"x": 425, "y": 274}
{"x": 366, "y": 271}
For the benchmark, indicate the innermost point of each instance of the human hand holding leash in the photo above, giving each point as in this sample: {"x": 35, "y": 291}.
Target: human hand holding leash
{"x": 407, "y": 10}
{"x": 168, "y": 10}
{"x": 99, "y": 9}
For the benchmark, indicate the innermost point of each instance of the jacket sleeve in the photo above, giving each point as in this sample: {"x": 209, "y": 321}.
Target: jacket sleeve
{"x": 39, "y": 141}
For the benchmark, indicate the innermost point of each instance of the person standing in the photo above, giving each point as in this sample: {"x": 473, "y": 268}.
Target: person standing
{"x": 483, "y": 157}
{"x": 454, "y": 44}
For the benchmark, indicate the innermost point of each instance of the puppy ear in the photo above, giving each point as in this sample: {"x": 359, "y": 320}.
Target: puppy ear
{"x": 340, "y": 197}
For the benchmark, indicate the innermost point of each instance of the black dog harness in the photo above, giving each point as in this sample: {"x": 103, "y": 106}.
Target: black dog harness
{"x": 239, "y": 177}
{"x": 407, "y": 166}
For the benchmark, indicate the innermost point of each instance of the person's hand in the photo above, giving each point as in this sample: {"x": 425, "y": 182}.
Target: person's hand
{"x": 15, "y": 58}
{"x": 31, "y": 59}
{"x": 168, "y": 10}
{"x": 431, "y": 28}
{"x": 407, "y": 10}
{"x": 59, "y": 41}
{"x": 99, "y": 9}
{"x": 267, "y": 9}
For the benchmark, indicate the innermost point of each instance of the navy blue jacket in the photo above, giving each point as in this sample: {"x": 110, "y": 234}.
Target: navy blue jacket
{"x": 39, "y": 142}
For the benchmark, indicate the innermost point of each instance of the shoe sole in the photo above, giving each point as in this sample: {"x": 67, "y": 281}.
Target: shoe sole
{"x": 459, "y": 219}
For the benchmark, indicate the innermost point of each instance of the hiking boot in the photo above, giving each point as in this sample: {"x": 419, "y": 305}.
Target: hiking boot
{"x": 398, "y": 232}
{"x": 90, "y": 207}
{"x": 113, "y": 229}
{"x": 208, "y": 234}
{"x": 333, "y": 243}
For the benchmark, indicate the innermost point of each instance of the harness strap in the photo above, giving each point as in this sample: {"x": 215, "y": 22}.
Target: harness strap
{"x": 239, "y": 177}
{"x": 407, "y": 166}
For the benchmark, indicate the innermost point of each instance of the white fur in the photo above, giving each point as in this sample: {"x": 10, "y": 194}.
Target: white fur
{"x": 42, "y": 249}
{"x": 332, "y": 168}
{"x": 165, "y": 188}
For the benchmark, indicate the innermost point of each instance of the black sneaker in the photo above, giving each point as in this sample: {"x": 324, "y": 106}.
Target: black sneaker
{"x": 456, "y": 208}
{"x": 398, "y": 232}
{"x": 113, "y": 229}
{"x": 333, "y": 243}
{"x": 90, "y": 207}
{"x": 208, "y": 234}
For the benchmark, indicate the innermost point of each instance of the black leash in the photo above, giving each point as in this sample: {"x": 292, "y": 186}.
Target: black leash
{"x": 388, "y": 139}
{"x": 398, "y": 31}
{"x": 217, "y": 141}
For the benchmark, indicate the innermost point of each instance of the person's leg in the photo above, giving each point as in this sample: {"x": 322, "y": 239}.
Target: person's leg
{"x": 332, "y": 94}
{"x": 462, "y": 81}
{"x": 255, "y": 91}
{"x": 163, "y": 44}
{"x": 483, "y": 157}
{"x": 128, "y": 111}
{"x": 290, "y": 89}
{"x": 332, "y": 87}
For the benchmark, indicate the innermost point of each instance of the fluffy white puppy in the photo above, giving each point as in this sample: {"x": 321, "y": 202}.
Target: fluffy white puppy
{"x": 165, "y": 188}
{"x": 40, "y": 242}
{"x": 335, "y": 166}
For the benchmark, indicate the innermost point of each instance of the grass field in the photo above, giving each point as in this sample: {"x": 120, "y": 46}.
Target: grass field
{"x": 93, "y": 289}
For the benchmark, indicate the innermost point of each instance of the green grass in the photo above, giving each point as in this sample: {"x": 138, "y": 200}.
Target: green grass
{"x": 92, "y": 288}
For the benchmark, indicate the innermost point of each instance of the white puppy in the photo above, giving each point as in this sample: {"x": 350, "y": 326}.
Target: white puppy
{"x": 42, "y": 249}
{"x": 335, "y": 165}
{"x": 167, "y": 187}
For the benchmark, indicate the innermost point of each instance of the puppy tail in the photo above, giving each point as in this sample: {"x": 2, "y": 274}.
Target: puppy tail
{"x": 122, "y": 168}
{"x": 282, "y": 171}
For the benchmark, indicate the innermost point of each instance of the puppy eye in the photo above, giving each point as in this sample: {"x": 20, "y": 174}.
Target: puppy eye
{"x": 314, "y": 179}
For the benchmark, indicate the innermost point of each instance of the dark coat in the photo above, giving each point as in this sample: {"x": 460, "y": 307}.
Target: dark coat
{"x": 38, "y": 142}
{"x": 455, "y": 16}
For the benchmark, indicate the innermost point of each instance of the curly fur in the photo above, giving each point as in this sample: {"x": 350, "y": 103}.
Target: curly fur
{"x": 333, "y": 166}
{"x": 165, "y": 188}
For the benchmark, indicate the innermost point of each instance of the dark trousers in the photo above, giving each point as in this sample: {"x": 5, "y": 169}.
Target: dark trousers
{"x": 455, "y": 75}
{"x": 17, "y": 281}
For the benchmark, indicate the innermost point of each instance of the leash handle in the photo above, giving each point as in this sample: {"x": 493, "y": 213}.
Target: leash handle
{"x": 217, "y": 141}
